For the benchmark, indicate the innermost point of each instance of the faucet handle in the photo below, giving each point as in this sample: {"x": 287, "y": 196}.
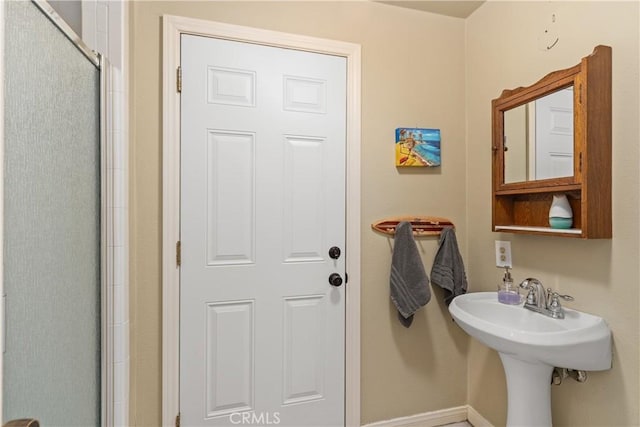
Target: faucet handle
{"x": 531, "y": 296}
{"x": 556, "y": 310}
{"x": 555, "y": 296}
{"x": 531, "y": 284}
{"x": 551, "y": 295}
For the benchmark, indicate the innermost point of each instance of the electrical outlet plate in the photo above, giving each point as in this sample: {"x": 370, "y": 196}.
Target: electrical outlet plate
{"x": 503, "y": 254}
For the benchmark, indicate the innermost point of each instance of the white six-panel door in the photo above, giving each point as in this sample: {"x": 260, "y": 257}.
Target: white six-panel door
{"x": 262, "y": 203}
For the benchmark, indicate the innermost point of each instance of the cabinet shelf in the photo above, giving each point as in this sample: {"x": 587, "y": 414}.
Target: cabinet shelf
{"x": 546, "y": 189}
{"x": 529, "y": 213}
{"x": 572, "y": 232}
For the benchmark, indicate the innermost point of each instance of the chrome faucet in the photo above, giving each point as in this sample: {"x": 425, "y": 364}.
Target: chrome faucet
{"x": 541, "y": 301}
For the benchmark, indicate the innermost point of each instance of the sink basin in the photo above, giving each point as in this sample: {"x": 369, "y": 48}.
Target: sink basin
{"x": 530, "y": 345}
{"x": 579, "y": 341}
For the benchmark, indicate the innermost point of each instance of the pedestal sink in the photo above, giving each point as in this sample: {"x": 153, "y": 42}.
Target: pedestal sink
{"x": 530, "y": 345}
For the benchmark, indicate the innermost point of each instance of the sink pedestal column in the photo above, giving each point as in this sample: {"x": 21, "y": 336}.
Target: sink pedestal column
{"x": 528, "y": 392}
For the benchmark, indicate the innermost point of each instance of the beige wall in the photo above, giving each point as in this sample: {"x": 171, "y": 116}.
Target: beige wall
{"x": 412, "y": 75}
{"x": 502, "y": 52}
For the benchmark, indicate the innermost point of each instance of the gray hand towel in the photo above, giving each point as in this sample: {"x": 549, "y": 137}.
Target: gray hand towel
{"x": 409, "y": 282}
{"x": 448, "y": 267}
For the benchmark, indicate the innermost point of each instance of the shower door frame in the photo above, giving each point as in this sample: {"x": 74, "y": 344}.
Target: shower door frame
{"x": 107, "y": 226}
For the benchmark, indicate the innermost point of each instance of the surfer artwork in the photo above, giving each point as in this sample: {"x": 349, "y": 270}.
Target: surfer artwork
{"x": 417, "y": 147}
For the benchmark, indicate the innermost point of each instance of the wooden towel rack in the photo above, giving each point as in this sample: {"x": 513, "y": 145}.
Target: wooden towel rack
{"x": 421, "y": 225}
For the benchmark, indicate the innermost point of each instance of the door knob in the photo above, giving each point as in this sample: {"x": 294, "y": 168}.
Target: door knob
{"x": 335, "y": 280}
{"x": 334, "y": 252}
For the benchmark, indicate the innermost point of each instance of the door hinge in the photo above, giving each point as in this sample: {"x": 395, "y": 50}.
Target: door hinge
{"x": 178, "y": 420}
{"x": 178, "y": 253}
{"x": 179, "y": 80}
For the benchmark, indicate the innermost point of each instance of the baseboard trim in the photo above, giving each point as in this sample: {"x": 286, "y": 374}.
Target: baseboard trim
{"x": 437, "y": 418}
{"x": 476, "y": 419}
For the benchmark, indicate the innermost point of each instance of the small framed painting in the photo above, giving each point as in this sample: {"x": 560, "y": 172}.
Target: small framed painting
{"x": 417, "y": 147}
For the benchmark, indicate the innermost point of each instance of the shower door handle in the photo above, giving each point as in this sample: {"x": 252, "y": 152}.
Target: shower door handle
{"x": 23, "y": 422}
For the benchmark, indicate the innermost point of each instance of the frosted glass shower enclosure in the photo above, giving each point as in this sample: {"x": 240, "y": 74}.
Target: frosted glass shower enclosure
{"x": 51, "y": 364}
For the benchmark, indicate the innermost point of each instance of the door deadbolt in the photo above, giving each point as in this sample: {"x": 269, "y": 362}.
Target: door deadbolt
{"x": 334, "y": 252}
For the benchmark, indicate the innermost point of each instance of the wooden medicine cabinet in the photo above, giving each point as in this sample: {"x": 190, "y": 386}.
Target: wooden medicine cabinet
{"x": 555, "y": 137}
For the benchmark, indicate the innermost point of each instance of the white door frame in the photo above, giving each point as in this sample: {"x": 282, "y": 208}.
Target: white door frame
{"x": 173, "y": 27}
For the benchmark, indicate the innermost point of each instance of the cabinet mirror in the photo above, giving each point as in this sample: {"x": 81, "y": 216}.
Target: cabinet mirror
{"x": 538, "y": 138}
{"x": 533, "y": 132}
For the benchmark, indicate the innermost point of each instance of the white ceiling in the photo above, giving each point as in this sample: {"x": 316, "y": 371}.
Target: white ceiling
{"x": 457, "y": 8}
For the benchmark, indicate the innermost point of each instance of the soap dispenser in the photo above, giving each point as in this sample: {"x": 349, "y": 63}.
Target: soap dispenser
{"x": 508, "y": 293}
